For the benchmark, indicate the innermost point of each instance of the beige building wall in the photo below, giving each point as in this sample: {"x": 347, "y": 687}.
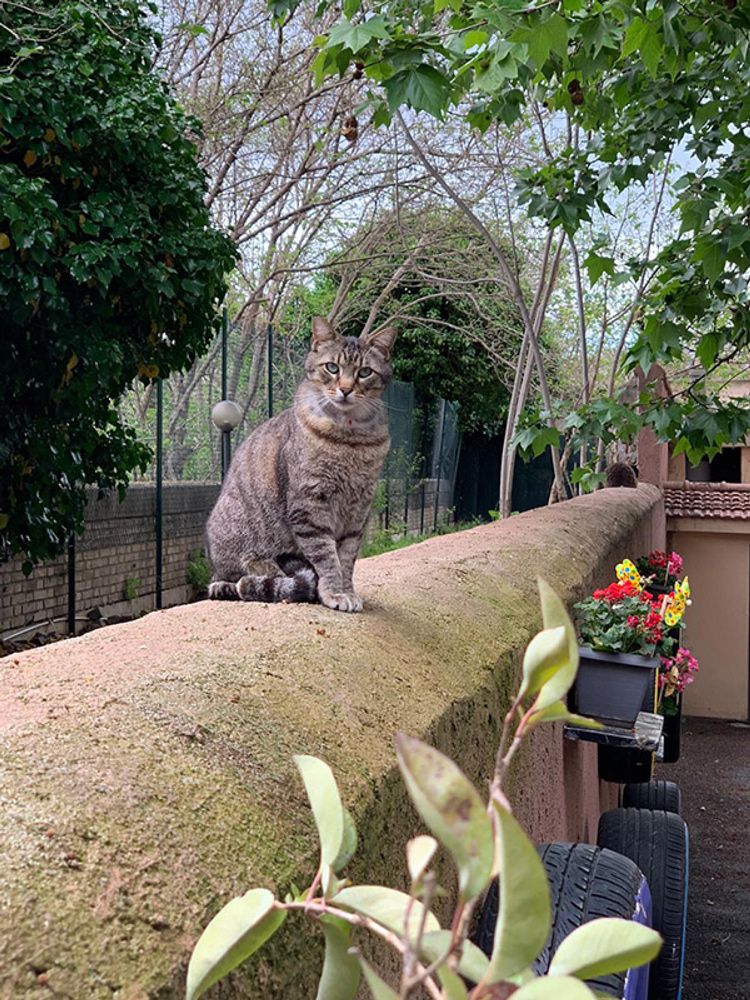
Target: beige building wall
{"x": 717, "y": 561}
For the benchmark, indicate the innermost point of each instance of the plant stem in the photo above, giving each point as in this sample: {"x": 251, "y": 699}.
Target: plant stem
{"x": 319, "y": 908}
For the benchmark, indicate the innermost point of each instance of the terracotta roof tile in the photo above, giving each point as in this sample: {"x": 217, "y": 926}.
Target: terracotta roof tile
{"x": 730, "y": 501}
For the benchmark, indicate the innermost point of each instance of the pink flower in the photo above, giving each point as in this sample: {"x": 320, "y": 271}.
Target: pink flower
{"x": 674, "y": 564}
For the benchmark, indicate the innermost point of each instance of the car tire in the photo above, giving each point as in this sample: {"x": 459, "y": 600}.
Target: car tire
{"x": 585, "y": 882}
{"x": 658, "y": 842}
{"x": 663, "y": 795}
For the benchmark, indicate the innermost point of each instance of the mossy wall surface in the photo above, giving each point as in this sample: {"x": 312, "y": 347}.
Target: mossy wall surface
{"x": 147, "y": 773}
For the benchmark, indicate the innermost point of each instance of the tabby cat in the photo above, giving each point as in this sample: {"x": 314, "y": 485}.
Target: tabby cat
{"x": 290, "y": 516}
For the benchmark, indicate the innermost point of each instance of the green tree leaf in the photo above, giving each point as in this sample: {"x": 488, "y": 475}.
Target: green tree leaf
{"x": 525, "y": 917}
{"x": 452, "y": 809}
{"x": 636, "y": 34}
{"x": 237, "y": 930}
{"x": 652, "y": 49}
{"x": 605, "y": 946}
{"x": 325, "y": 802}
{"x": 550, "y": 35}
{"x": 387, "y": 907}
{"x": 596, "y": 265}
{"x": 341, "y": 971}
{"x": 421, "y": 87}
{"x": 357, "y": 36}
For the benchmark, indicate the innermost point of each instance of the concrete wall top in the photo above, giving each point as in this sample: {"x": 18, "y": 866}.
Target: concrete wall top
{"x": 147, "y": 773}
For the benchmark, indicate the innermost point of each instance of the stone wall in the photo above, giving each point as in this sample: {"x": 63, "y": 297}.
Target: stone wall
{"x": 146, "y": 771}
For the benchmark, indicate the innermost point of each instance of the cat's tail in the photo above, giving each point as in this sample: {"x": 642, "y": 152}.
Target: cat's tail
{"x": 299, "y": 586}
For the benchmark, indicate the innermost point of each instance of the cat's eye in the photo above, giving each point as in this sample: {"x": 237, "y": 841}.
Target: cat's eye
{"x": 331, "y": 367}
{"x": 365, "y": 372}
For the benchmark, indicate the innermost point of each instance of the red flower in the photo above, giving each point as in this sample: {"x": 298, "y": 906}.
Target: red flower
{"x": 615, "y": 592}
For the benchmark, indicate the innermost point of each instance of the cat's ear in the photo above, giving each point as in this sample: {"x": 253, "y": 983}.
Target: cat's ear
{"x": 322, "y": 332}
{"x": 381, "y": 340}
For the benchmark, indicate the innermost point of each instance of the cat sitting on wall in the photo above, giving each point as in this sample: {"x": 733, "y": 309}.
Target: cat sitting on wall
{"x": 294, "y": 504}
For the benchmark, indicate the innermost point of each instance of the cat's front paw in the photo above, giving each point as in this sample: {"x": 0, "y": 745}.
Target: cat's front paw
{"x": 344, "y": 601}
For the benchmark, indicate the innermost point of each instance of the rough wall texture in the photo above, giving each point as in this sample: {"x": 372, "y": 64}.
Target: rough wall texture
{"x": 147, "y": 773}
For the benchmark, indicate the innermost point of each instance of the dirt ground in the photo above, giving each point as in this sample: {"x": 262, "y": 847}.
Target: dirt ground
{"x": 714, "y": 775}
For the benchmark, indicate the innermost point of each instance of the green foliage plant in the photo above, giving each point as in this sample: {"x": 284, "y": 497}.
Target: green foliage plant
{"x": 198, "y": 572}
{"x": 483, "y": 839}
{"x": 110, "y": 268}
{"x": 637, "y": 85}
{"x": 131, "y": 588}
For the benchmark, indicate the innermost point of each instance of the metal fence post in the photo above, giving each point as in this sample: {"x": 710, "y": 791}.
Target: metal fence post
{"x": 270, "y": 370}
{"x": 159, "y": 477}
{"x": 439, "y": 465}
{"x": 224, "y": 335}
{"x": 71, "y": 583}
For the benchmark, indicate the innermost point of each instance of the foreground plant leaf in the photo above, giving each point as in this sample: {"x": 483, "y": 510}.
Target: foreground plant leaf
{"x": 558, "y": 712}
{"x": 554, "y": 615}
{"x": 452, "y": 984}
{"x": 341, "y": 973}
{"x": 237, "y": 930}
{"x": 554, "y": 988}
{"x": 419, "y": 853}
{"x": 387, "y": 907}
{"x": 452, "y": 809}
{"x": 604, "y": 946}
{"x": 348, "y": 843}
{"x": 325, "y": 802}
{"x": 379, "y": 989}
{"x": 545, "y": 655}
{"x": 473, "y": 963}
{"x": 524, "y": 920}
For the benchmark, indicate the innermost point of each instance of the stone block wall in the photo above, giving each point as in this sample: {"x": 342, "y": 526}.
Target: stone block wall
{"x": 115, "y": 554}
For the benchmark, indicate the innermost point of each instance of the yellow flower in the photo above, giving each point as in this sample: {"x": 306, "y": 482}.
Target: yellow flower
{"x": 627, "y": 573}
{"x": 682, "y": 588}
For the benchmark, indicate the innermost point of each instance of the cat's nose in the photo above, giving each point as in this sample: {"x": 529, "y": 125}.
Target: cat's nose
{"x": 345, "y": 389}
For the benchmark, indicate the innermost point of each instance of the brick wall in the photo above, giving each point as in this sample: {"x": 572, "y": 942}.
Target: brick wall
{"x": 118, "y": 545}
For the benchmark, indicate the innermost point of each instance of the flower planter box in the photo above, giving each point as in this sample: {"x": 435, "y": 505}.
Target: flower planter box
{"x": 612, "y": 687}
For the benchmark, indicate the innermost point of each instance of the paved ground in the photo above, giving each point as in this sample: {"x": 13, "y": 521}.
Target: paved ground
{"x": 714, "y": 775}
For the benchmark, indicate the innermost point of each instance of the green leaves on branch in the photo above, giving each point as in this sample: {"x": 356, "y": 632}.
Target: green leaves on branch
{"x": 639, "y": 83}
{"x": 387, "y": 907}
{"x": 341, "y": 970}
{"x": 452, "y": 809}
{"x": 554, "y": 989}
{"x": 555, "y": 685}
{"x": 605, "y": 946}
{"x": 325, "y": 802}
{"x": 524, "y": 918}
{"x": 422, "y": 88}
{"x": 236, "y": 931}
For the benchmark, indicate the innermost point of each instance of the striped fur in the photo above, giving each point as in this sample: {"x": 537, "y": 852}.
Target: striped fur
{"x": 289, "y": 520}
